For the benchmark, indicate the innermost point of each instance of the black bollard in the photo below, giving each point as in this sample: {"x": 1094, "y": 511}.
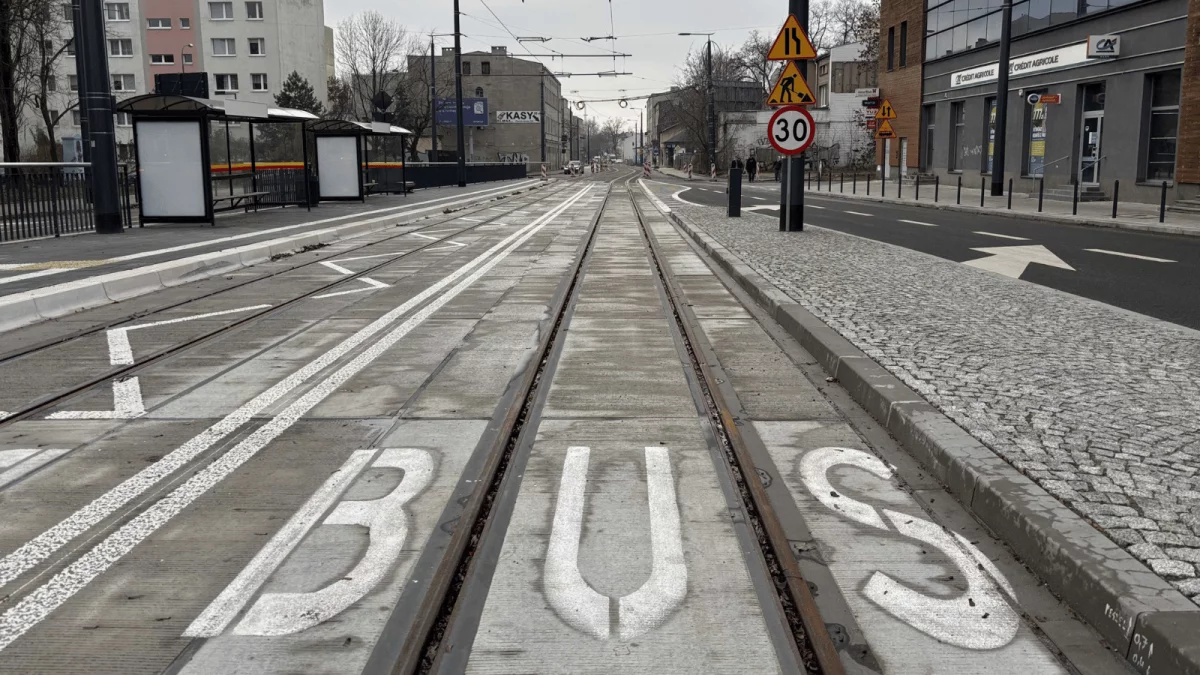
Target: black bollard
{"x": 1162, "y": 203}
{"x": 735, "y": 192}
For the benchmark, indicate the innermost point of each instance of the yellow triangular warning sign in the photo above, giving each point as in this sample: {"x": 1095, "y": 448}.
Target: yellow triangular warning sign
{"x": 791, "y": 43}
{"x": 791, "y": 89}
{"x": 885, "y": 130}
{"x": 886, "y": 111}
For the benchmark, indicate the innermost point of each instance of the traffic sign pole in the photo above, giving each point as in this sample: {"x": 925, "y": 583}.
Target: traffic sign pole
{"x": 1001, "y": 101}
{"x": 791, "y": 190}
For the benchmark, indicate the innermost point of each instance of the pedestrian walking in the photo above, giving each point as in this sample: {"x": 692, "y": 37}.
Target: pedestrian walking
{"x": 776, "y": 164}
{"x": 751, "y": 168}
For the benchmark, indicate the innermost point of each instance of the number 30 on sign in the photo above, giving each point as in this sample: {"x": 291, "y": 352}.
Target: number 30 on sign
{"x": 791, "y": 130}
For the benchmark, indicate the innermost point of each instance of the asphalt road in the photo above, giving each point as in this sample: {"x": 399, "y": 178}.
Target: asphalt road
{"x": 1164, "y": 282}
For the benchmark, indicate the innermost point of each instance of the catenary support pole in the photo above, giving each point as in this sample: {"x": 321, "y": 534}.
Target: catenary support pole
{"x": 458, "y": 111}
{"x": 542, "y": 108}
{"x": 1002, "y": 101}
{"x": 97, "y": 105}
{"x": 432, "y": 101}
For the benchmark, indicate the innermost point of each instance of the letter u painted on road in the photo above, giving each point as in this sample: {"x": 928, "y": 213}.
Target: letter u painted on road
{"x": 573, "y": 599}
{"x": 979, "y": 618}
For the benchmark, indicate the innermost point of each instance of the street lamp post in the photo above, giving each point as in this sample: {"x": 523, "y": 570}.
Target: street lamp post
{"x": 183, "y": 61}
{"x": 95, "y": 102}
{"x": 462, "y": 157}
{"x": 1001, "y": 138}
{"x": 712, "y": 98}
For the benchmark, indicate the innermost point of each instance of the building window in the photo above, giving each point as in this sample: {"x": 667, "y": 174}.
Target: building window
{"x": 891, "y": 47}
{"x": 1164, "y": 125}
{"x": 122, "y": 83}
{"x": 71, "y": 47}
{"x": 989, "y": 110}
{"x": 158, "y": 24}
{"x": 824, "y": 68}
{"x": 258, "y": 81}
{"x": 116, "y": 11}
{"x": 958, "y": 25}
{"x": 51, "y": 83}
{"x": 903, "y": 44}
{"x": 224, "y": 47}
{"x": 225, "y": 83}
{"x": 74, "y": 118}
{"x": 254, "y": 11}
{"x": 485, "y": 68}
{"x": 124, "y": 119}
{"x": 958, "y": 148}
{"x": 823, "y": 96}
{"x": 220, "y": 11}
{"x": 72, "y": 83}
{"x": 54, "y": 116}
{"x": 68, "y": 13}
{"x": 187, "y": 59}
{"x": 123, "y": 47}
{"x": 258, "y": 47}
{"x": 466, "y": 67}
{"x": 1035, "y": 161}
{"x": 162, "y": 59}
{"x": 478, "y": 92}
{"x": 185, "y": 23}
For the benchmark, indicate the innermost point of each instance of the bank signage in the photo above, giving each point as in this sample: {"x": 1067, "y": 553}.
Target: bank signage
{"x": 1023, "y": 65}
{"x": 1103, "y": 46}
{"x": 518, "y": 116}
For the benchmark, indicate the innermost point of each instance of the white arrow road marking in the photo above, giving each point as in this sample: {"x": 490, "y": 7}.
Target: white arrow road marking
{"x": 572, "y": 598}
{"x": 371, "y": 283}
{"x": 127, "y": 393}
{"x": 1011, "y": 261}
{"x": 20, "y": 462}
{"x": 1003, "y": 236}
{"x": 980, "y": 618}
{"x": 336, "y": 267}
{"x": 213, "y": 620}
{"x": 456, "y": 243}
{"x": 387, "y": 525}
{"x": 1129, "y": 255}
{"x": 37, "y": 605}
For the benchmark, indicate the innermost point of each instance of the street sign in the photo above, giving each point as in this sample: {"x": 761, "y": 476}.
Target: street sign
{"x": 791, "y": 130}
{"x": 886, "y": 111}
{"x": 885, "y": 130}
{"x": 1050, "y": 98}
{"x": 872, "y": 102}
{"x": 791, "y": 43}
{"x": 791, "y": 89}
{"x": 871, "y": 124}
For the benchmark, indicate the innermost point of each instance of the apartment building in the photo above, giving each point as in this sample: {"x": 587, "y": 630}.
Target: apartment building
{"x": 248, "y": 47}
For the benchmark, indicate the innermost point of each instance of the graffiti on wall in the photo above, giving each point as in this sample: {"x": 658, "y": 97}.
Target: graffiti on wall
{"x": 513, "y": 157}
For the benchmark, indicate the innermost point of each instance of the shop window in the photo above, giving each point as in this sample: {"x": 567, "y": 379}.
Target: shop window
{"x": 958, "y": 149}
{"x": 1035, "y": 149}
{"x": 1163, "y": 125}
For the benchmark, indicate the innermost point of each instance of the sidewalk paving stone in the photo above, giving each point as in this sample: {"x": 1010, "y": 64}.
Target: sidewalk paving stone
{"x": 1098, "y": 405}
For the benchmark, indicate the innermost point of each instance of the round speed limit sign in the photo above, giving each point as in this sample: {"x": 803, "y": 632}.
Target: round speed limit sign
{"x": 791, "y": 130}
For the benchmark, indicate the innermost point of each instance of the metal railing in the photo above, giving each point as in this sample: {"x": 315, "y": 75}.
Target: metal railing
{"x": 49, "y": 199}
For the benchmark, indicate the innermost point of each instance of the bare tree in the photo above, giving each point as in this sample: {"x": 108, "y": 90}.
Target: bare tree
{"x": 611, "y": 133}
{"x": 414, "y": 107}
{"x": 51, "y": 46}
{"x": 752, "y": 57}
{"x": 689, "y": 107}
{"x": 19, "y": 45}
{"x": 866, "y": 32}
{"x": 370, "y": 49}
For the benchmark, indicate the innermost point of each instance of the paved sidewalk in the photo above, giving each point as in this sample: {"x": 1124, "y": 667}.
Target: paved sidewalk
{"x": 1130, "y": 215}
{"x": 1100, "y": 406}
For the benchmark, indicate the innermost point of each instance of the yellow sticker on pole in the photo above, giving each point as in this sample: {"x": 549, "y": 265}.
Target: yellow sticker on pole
{"x": 791, "y": 89}
{"x": 791, "y": 43}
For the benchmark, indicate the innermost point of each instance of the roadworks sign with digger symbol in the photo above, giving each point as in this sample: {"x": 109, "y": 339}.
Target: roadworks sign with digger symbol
{"x": 791, "y": 89}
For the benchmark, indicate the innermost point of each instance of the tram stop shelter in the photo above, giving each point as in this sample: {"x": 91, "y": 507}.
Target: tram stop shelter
{"x": 198, "y": 156}
{"x": 354, "y": 159}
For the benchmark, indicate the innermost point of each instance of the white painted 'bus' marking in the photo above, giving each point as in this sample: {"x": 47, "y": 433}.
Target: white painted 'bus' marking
{"x": 576, "y": 602}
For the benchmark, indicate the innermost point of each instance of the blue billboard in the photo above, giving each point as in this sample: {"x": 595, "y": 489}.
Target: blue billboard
{"x": 475, "y": 112}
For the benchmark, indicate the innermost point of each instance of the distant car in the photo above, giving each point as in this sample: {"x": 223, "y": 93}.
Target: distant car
{"x": 573, "y": 166}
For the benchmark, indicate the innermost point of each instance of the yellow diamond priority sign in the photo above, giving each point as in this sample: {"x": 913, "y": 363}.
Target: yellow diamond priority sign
{"x": 791, "y": 43}
{"x": 791, "y": 89}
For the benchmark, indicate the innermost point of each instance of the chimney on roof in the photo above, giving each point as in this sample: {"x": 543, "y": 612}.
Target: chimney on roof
{"x": 500, "y": 50}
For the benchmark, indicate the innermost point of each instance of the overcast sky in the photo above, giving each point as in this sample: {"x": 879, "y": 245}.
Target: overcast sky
{"x": 645, "y": 28}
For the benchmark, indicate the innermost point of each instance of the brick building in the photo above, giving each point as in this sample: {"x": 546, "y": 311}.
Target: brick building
{"x": 1121, "y": 80}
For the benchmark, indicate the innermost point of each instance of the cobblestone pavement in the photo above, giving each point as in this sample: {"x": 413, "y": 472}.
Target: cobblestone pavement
{"x": 1099, "y": 405}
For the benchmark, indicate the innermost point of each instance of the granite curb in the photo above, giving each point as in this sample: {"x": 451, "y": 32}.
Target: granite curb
{"x": 1154, "y": 227}
{"x": 1142, "y": 616}
{"x": 29, "y": 307}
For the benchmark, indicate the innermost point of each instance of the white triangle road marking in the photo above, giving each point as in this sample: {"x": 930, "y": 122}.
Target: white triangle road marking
{"x": 1011, "y": 261}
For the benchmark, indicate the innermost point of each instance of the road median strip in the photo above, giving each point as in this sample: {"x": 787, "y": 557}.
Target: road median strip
{"x": 1143, "y": 617}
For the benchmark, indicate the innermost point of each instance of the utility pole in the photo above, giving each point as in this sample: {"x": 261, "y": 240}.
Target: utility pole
{"x": 81, "y": 78}
{"x": 712, "y": 105}
{"x": 95, "y": 100}
{"x": 1001, "y": 102}
{"x": 791, "y": 188}
{"x": 462, "y": 157}
{"x": 542, "y": 108}
{"x": 432, "y": 98}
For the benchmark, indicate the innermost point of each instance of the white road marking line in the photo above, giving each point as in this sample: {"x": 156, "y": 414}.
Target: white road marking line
{"x": 1003, "y": 236}
{"x": 760, "y": 207}
{"x": 465, "y": 197}
{"x": 336, "y": 267}
{"x": 127, "y": 393}
{"x": 21, "y": 462}
{"x": 424, "y": 236}
{"x": 368, "y": 257}
{"x": 1011, "y": 261}
{"x": 470, "y": 220}
{"x": 1129, "y": 255}
{"x": 213, "y": 620}
{"x": 917, "y": 222}
{"x": 573, "y": 599}
{"x": 761, "y": 199}
{"x": 442, "y": 248}
{"x": 814, "y": 206}
{"x": 859, "y": 213}
{"x": 677, "y": 198}
{"x": 387, "y": 526}
{"x": 36, "y": 606}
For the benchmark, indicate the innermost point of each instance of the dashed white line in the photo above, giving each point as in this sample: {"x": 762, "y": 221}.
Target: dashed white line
{"x": 814, "y": 206}
{"x": 859, "y": 213}
{"x": 1129, "y": 255}
{"x": 917, "y": 222}
{"x": 1002, "y": 236}
{"x": 761, "y": 199}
